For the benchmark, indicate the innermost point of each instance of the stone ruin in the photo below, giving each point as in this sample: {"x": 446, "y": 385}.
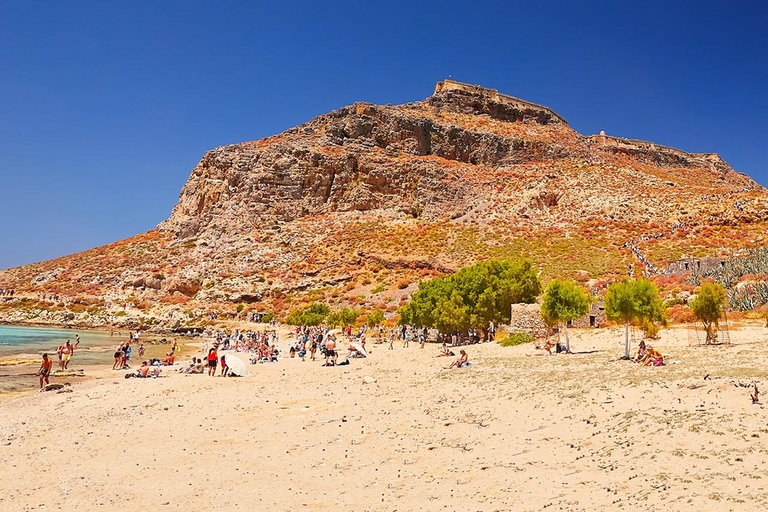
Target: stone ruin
{"x": 526, "y": 318}
{"x": 694, "y": 266}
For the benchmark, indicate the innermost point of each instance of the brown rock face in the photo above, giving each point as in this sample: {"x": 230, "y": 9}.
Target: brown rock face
{"x": 415, "y": 190}
{"x": 361, "y": 158}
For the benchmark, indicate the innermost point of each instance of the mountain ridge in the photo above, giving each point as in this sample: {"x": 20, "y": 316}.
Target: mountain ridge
{"x": 386, "y": 195}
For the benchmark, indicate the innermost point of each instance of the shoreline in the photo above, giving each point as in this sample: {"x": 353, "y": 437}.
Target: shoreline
{"x": 19, "y": 370}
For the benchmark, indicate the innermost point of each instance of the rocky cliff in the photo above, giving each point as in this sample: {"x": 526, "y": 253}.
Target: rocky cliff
{"x": 358, "y": 204}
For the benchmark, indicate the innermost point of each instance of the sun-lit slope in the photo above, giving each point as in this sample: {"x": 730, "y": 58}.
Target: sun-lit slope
{"x": 358, "y": 203}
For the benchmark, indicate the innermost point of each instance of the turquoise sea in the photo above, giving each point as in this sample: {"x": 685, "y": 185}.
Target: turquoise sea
{"x": 21, "y": 343}
{"x": 96, "y": 347}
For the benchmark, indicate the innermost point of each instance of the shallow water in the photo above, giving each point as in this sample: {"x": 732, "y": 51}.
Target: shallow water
{"x": 21, "y": 350}
{"x": 95, "y": 347}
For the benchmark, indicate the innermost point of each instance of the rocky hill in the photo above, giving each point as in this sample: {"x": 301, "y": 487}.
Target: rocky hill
{"x": 357, "y": 205}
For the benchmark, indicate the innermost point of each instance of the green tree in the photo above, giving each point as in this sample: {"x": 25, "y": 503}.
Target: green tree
{"x": 314, "y": 314}
{"x": 473, "y": 296}
{"x": 634, "y": 302}
{"x": 708, "y": 307}
{"x": 345, "y": 316}
{"x": 375, "y": 317}
{"x": 564, "y": 301}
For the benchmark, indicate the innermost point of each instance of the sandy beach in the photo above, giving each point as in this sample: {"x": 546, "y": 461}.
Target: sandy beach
{"x": 514, "y": 431}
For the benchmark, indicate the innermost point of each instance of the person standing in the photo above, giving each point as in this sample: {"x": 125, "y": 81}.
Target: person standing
{"x": 127, "y": 355}
{"x": 212, "y": 360}
{"x": 59, "y": 352}
{"x": 45, "y": 370}
{"x": 66, "y": 354}
{"x": 118, "y": 357}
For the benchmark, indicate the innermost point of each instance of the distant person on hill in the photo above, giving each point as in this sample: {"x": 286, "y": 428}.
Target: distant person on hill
{"x": 45, "y": 370}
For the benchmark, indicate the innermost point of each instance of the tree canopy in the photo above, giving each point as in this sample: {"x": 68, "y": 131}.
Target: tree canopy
{"x": 345, "y": 316}
{"x": 375, "y": 317}
{"x": 564, "y": 301}
{"x": 314, "y": 314}
{"x": 708, "y": 307}
{"x": 634, "y": 301}
{"x": 473, "y": 296}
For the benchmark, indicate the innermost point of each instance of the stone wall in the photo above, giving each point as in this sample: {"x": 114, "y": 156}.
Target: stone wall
{"x": 693, "y": 266}
{"x": 495, "y": 95}
{"x": 527, "y": 318}
{"x": 595, "y": 318}
{"x": 659, "y": 154}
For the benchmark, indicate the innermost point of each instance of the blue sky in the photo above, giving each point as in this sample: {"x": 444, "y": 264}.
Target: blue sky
{"x": 105, "y": 107}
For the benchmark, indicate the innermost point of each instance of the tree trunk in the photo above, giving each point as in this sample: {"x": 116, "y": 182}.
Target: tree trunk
{"x": 708, "y": 328}
{"x": 626, "y": 340}
{"x": 567, "y": 341}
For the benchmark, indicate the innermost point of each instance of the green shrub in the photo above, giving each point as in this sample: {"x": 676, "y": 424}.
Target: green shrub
{"x": 314, "y": 314}
{"x": 516, "y": 339}
{"x": 473, "y": 296}
{"x": 345, "y": 316}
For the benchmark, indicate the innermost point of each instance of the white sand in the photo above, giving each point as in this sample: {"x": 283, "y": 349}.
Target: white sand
{"x": 513, "y": 432}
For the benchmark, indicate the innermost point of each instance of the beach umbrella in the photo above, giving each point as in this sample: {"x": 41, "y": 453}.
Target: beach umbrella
{"x": 334, "y": 331}
{"x": 359, "y": 348}
{"x": 236, "y": 365}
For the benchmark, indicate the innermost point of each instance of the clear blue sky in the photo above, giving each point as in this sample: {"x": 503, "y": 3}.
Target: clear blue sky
{"x": 105, "y": 107}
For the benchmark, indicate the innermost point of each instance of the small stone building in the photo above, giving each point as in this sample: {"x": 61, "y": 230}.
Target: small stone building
{"x": 693, "y": 266}
{"x": 527, "y": 318}
{"x": 595, "y": 317}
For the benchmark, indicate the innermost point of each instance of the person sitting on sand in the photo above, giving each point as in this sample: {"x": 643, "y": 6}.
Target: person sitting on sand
{"x": 143, "y": 370}
{"x": 445, "y": 351}
{"x": 352, "y": 351}
{"x": 189, "y": 368}
{"x": 45, "y": 370}
{"x": 641, "y": 352}
{"x": 652, "y": 357}
{"x": 461, "y": 361}
{"x": 170, "y": 358}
